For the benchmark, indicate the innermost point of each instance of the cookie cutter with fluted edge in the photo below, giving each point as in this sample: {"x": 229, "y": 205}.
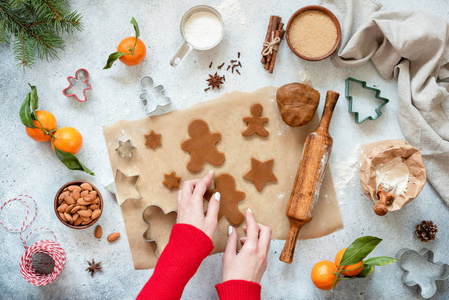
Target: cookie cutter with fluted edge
{"x": 364, "y": 86}
{"x": 147, "y": 223}
{"x": 80, "y": 74}
{"x": 430, "y": 258}
{"x": 158, "y": 106}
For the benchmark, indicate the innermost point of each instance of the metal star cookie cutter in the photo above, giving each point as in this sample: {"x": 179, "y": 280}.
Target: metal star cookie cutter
{"x": 160, "y": 104}
{"x": 80, "y": 75}
{"x": 377, "y": 96}
{"x": 119, "y": 177}
{"x": 111, "y": 188}
{"x": 125, "y": 149}
{"x": 155, "y": 212}
{"x": 403, "y": 256}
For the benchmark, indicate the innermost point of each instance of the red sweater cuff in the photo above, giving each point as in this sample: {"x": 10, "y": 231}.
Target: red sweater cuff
{"x": 238, "y": 290}
{"x": 179, "y": 261}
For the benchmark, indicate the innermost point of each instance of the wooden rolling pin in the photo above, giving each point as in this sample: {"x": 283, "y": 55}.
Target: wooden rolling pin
{"x": 306, "y": 188}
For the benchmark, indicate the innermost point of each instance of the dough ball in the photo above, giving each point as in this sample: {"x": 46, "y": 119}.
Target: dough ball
{"x": 297, "y": 103}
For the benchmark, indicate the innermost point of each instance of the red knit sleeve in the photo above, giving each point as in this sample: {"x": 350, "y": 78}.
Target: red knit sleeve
{"x": 238, "y": 290}
{"x": 179, "y": 261}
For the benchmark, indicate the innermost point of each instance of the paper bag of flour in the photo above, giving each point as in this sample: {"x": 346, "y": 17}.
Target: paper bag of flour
{"x": 379, "y": 153}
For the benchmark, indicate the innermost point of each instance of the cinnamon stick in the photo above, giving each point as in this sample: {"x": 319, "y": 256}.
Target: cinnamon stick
{"x": 267, "y": 38}
{"x": 279, "y": 34}
{"x": 276, "y": 21}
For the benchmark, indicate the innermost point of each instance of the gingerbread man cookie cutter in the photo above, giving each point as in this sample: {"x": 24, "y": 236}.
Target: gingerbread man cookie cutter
{"x": 408, "y": 256}
{"x": 80, "y": 75}
{"x": 159, "y": 226}
{"x": 158, "y": 105}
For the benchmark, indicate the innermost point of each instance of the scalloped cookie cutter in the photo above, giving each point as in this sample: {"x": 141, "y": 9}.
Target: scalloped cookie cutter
{"x": 404, "y": 255}
{"x": 160, "y": 104}
{"x": 159, "y": 226}
{"x": 377, "y": 96}
{"x": 80, "y": 75}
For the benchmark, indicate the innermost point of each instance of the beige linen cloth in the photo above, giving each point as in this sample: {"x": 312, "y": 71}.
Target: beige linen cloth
{"x": 411, "y": 46}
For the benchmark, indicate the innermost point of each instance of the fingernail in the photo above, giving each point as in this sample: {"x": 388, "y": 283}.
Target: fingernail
{"x": 229, "y": 230}
{"x": 217, "y": 196}
{"x": 249, "y": 210}
{"x": 210, "y": 171}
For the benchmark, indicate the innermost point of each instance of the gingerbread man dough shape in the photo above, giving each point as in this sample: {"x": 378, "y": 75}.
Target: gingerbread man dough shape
{"x": 230, "y": 197}
{"x": 255, "y": 122}
{"x": 201, "y": 146}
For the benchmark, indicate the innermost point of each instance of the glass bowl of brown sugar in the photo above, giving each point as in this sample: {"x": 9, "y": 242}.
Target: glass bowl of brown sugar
{"x": 313, "y": 33}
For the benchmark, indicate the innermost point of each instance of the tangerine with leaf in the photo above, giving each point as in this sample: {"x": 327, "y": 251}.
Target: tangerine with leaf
{"x": 45, "y": 126}
{"x": 67, "y": 139}
{"x": 348, "y": 270}
{"x": 324, "y": 275}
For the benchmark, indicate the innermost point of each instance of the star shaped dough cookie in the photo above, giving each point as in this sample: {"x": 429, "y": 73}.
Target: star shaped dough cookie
{"x": 230, "y": 197}
{"x": 153, "y": 139}
{"x": 171, "y": 180}
{"x": 261, "y": 173}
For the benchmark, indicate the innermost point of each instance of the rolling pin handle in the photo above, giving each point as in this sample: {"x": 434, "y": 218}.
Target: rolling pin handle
{"x": 290, "y": 242}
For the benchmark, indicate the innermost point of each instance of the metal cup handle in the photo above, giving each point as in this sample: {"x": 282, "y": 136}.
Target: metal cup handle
{"x": 179, "y": 56}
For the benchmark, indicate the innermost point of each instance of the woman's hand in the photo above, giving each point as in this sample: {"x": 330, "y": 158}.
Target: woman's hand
{"x": 251, "y": 261}
{"x": 190, "y": 205}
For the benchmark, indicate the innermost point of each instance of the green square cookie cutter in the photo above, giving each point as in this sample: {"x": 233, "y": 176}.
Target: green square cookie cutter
{"x": 377, "y": 96}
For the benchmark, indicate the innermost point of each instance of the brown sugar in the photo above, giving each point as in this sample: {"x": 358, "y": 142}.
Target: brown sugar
{"x": 312, "y": 34}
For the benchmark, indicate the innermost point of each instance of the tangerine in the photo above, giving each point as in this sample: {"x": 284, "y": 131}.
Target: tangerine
{"x": 67, "y": 139}
{"x": 323, "y": 275}
{"x": 125, "y": 46}
{"x": 349, "y": 270}
{"x": 48, "y": 122}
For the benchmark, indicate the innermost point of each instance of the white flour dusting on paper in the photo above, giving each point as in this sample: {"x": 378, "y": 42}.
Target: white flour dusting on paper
{"x": 392, "y": 174}
{"x": 346, "y": 171}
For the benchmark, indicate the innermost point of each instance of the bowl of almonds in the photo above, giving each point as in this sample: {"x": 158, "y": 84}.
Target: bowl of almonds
{"x": 78, "y": 204}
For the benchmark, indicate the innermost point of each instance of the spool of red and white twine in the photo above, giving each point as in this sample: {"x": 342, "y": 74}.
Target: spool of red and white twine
{"x": 49, "y": 247}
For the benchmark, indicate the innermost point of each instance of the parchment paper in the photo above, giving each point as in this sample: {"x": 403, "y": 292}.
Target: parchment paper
{"x": 378, "y": 153}
{"x": 223, "y": 115}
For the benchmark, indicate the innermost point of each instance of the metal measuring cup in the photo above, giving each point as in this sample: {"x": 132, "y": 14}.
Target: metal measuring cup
{"x": 188, "y": 46}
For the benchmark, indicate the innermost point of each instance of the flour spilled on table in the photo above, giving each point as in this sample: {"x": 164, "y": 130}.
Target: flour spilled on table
{"x": 346, "y": 168}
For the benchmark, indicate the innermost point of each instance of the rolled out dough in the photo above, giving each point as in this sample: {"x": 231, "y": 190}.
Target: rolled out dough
{"x": 225, "y": 115}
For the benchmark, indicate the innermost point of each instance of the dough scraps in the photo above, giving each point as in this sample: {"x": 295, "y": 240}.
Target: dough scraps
{"x": 201, "y": 146}
{"x": 171, "y": 180}
{"x": 230, "y": 197}
{"x": 261, "y": 173}
{"x": 255, "y": 122}
{"x": 152, "y": 139}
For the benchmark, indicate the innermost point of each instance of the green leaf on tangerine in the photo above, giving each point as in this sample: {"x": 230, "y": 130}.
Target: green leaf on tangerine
{"x": 367, "y": 269}
{"x": 27, "y": 110}
{"x": 71, "y": 161}
{"x": 359, "y": 249}
{"x": 379, "y": 261}
{"x": 112, "y": 59}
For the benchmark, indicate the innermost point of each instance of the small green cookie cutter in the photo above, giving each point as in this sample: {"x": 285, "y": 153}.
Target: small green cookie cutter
{"x": 363, "y": 83}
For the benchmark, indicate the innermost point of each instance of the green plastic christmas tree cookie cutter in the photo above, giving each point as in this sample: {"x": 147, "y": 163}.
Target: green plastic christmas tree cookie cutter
{"x": 363, "y": 83}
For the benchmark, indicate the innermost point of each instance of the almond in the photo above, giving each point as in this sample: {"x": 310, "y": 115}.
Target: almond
{"x": 97, "y": 201}
{"x": 113, "y": 237}
{"x": 85, "y": 213}
{"x": 85, "y": 222}
{"x": 62, "y": 208}
{"x": 98, "y": 232}
{"x": 68, "y": 217}
{"x": 93, "y": 193}
{"x": 69, "y": 208}
{"x": 78, "y": 221}
{"x": 75, "y": 194}
{"x": 93, "y": 207}
{"x": 74, "y": 187}
{"x": 89, "y": 198}
{"x": 86, "y": 186}
{"x": 62, "y": 216}
{"x": 85, "y": 219}
{"x": 84, "y": 193}
{"x": 75, "y": 216}
{"x": 81, "y": 201}
{"x": 75, "y": 209}
{"x": 69, "y": 200}
{"x": 83, "y": 207}
{"x": 95, "y": 214}
{"x": 62, "y": 195}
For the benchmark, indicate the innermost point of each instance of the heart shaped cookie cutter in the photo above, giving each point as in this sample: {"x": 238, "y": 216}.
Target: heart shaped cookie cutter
{"x": 80, "y": 75}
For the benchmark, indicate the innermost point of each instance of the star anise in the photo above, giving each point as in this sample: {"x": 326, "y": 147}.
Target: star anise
{"x": 93, "y": 266}
{"x": 215, "y": 80}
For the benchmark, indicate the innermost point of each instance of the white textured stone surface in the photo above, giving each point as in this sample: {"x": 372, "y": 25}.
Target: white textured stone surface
{"x": 32, "y": 168}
